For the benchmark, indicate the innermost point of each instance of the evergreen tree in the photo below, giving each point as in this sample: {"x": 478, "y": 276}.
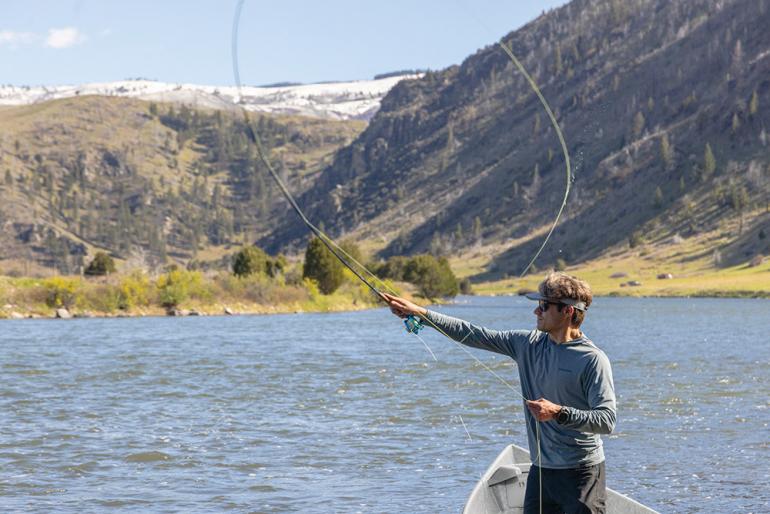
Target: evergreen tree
{"x": 323, "y": 267}
{"x": 638, "y": 125}
{"x": 658, "y": 198}
{"x": 709, "y": 162}
{"x": 432, "y": 276}
{"x": 754, "y": 103}
{"x": 102, "y": 264}
{"x": 666, "y": 152}
{"x": 477, "y": 229}
{"x": 458, "y": 232}
{"x": 250, "y": 260}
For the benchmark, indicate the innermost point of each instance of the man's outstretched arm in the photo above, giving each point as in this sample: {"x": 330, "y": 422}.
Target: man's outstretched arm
{"x": 459, "y": 330}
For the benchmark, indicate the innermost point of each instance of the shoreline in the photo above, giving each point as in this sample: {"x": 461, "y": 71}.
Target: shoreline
{"x": 16, "y": 312}
{"x": 6, "y": 314}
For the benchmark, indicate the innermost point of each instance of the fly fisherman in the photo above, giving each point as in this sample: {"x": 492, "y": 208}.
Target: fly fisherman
{"x": 568, "y": 383}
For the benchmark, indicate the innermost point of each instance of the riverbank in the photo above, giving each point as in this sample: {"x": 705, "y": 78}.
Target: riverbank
{"x": 177, "y": 293}
{"x": 188, "y": 293}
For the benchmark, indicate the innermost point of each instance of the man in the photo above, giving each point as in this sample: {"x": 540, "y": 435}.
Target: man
{"x": 568, "y": 385}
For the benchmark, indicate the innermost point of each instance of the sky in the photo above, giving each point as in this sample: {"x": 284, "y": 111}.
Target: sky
{"x": 47, "y": 42}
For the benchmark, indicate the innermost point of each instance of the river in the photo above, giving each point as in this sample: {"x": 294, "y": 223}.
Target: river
{"x": 347, "y": 413}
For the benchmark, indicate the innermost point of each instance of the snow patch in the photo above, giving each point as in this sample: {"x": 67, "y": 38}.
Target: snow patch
{"x": 333, "y": 100}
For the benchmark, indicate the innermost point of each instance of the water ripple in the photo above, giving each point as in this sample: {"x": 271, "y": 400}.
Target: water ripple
{"x": 242, "y": 414}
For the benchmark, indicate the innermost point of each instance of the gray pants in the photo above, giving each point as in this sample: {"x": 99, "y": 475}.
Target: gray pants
{"x": 572, "y": 491}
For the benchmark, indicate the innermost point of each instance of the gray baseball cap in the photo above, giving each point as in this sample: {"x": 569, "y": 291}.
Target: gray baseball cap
{"x": 536, "y": 296}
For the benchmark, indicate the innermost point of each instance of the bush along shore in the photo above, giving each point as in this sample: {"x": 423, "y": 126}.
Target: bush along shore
{"x": 256, "y": 283}
{"x": 176, "y": 292}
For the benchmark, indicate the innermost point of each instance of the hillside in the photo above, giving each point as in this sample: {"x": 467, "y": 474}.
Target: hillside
{"x": 146, "y": 181}
{"x": 664, "y": 106}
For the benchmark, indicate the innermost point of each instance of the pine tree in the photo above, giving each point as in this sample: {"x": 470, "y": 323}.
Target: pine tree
{"x": 477, "y": 229}
{"x": 709, "y": 162}
{"x": 323, "y": 267}
{"x": 666, "y": 152}
{"x": 250, "y": 260}
{"x": 658, "y": 198}
{"x": 638, "y": 125}
{"x": 558, "y": 65}
{"x": 754, "y": 103}
{"x": 102, "y": 264}
{"x": 458, "y": 232}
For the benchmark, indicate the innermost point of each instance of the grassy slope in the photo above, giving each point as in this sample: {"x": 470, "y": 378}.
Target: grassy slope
{"x": 62, "y": 129}
{"x": 690, "y": 261}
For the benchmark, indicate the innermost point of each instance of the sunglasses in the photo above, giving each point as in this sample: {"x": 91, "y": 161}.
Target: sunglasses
{"x": 544, "y": 304}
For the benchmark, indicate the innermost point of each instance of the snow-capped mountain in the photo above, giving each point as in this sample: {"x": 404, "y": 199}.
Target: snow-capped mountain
{"x": 333, "y": 100}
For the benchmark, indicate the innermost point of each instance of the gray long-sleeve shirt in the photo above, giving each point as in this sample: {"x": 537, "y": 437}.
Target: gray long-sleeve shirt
{"x": 575, "y": 374}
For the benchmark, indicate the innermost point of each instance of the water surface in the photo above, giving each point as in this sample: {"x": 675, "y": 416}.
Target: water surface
{"x": 347, "y": 413}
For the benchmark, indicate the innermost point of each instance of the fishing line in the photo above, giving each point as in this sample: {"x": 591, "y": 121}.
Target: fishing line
{"x": 562, "y": 142}
{"x": 465, "y": 427}
{"x": 426, "y": 346}
{"x": 346, "y": 259}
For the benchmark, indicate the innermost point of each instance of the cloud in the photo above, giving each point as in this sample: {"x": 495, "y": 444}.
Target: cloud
{"x": 64, "y": 37}
{"x": 13, "y": 39}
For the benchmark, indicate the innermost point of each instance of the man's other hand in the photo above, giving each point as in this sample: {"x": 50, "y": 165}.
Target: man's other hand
{"x": 542, "y": 409}
{"x": 402, "y": 307}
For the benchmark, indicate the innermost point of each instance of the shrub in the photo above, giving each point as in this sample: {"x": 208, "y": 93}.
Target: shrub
{"x": 432, "y": 276}
{"x": 352, "y": 249}
{"x": 250, "y": 260}
{"x": 276, "y": 265}
{"x": 61, "y": 291}
{"x": 393, "y": 268}
{"x": 177, "y": 286}
{"x": 100, "y": 297}
{"x": 323, "y": 267}
{"x": 134, "y": 290}
{"x": 102, "y": 264}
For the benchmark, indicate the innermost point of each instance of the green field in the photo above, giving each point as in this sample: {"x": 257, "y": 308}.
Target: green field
{"x": 690, "y": 263}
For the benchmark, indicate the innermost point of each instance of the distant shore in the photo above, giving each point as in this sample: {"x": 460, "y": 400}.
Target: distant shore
{"x": 180, "y": 293}
{"x": 341, "y": 302}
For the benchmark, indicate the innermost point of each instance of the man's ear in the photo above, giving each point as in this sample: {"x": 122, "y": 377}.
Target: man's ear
{"x": 569, "y": 309}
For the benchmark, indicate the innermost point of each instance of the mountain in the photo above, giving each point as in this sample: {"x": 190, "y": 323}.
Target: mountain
{"x": 145, "y": 181}
{"x": 664, "y": 106}
{"x": 354, "y": 100}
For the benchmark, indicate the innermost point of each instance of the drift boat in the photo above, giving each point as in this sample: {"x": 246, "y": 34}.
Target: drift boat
{"x": 501, "y": 489}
